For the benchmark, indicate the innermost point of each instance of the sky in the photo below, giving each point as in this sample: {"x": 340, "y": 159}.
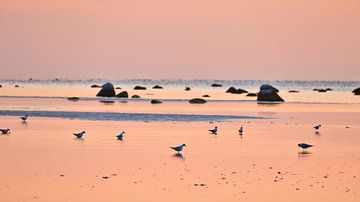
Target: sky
{"x": 180, "y": 39}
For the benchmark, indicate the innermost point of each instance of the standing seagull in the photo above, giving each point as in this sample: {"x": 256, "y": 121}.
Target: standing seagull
{"x": 121, "y": 136}
{"x": 317, "y": 127}
{"x": 5, "y": 131}
{"x": 24, "y": 118}
{"x": 214, "y": 130}
{"x": 241, "y": 130}
{"x": 304, "y": 146}
{"x": 79, "y": 135}
{"x": 178, "y": 148}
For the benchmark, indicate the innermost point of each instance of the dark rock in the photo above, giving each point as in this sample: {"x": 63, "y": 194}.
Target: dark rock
{"x": 322, "y": 90}
{"x": 294, "y": 91}
{"x": 268, "y": 94}
{"x": 0, "y": 86}
{"x": 95, "y": 86}
{"x": 156, "y": 102}
{"x": 139, "y": 88}
{"x": 216, "y": 85}
{"x": 135, "y": 96}
{"x": 356, "y": 91}
{"x": 315, "y": 89}
{"x": 187, "y": 88}
{"x": 107, "y": 90}
{"x": 206, "y": 96}
{"x": 17, "y": 86}
{"x": 233, "y": 90}
{"x": 251, "y": 95}
{"x": 118, "y": 88}
{"x": 157, "y": 87}
{"x": 123, "y": 94}
{"x": 73, "y": 98}
{"x": 268, "y": 87}
{"x": 197, "y": 101}
{"x": 329, "y": 89}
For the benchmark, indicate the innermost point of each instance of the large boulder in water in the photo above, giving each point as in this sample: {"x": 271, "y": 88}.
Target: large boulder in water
{"x": 123, "y": 94}
{"x": 356, "y": 91}
{"x": 268, "y": 87}
{"x": 268, "y": 93}
{"x": 107, "y": 90}
{"x": 233, "y": 90}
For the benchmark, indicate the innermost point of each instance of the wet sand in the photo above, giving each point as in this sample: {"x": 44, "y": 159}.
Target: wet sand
{"x": 41, "y": 160}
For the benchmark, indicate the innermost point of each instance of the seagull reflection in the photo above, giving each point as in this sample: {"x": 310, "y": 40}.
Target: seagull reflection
{"x": 179, "y": 156}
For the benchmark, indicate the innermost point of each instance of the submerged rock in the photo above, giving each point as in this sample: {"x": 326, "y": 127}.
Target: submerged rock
{"x": 197, "y": 101}
{"x": 206, "y": 96}
{"x": 123, "y": 94}
{"x": 268, "y": 93}
{"x": 157, "y": 87}
{"x": 156, "y": 102}
{"x": 233, "y": 90}
{"x": 294, "y": 91}
{"x": 118, "y": 88}
{"x": 356, "y": 91}
{"x": 187, "y": 88}
{"x": 139, "y": 88}
{"x": 16, "y": 86}
{"x": 0, "y": 86}
{"x": 107, "y": 90}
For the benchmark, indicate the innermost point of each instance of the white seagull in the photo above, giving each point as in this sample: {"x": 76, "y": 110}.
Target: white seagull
{"x": 178, "y": 148}
{"x": 79, "y": 135}
{"x": 24, "y": 118}
{"x": 304, "y": 146}
{"x": 241, "y": 130}
{"x": 5, "y": 131}
{"x": 214, "y": 130}
{"x": 317, "y": 127}
{"x": 121, "y": 136}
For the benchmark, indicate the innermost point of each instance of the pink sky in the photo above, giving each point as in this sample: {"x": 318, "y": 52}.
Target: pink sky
{"x": 180, "y": 39}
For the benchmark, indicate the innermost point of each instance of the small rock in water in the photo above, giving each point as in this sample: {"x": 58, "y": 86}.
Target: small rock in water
{"x": 187, "y": 88}
{"x": 156, "y": 102}
{"x": 123, "y": 94}
{"x": 294, "y": 91}
{"x": 135, "y": 96}
{"x": 95, "y": 86}
{"x": 139, "y": 88}
{"x": 105, "y": 177}
{"x": 206, "y": 96}
{"x": 107, "y": 90}
{"x": 197, "y": 101}
{"x": 216, "y": 85}
{"x": 157, "y": 87}
{"x": 251, "y": 95}
{"x": 73, "y": 98}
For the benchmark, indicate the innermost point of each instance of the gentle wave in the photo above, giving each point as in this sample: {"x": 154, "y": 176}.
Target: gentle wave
{"x": 138, "y": 117}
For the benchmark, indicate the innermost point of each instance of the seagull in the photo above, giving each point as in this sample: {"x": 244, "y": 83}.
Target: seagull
{"x": 5, "y": 131}
{"x": 317, "y": 127}
{"x": 121, "y": 136}
{"x": 214, "y": 130}
{"x": 304, "y": 146}
{"x": 24, "y": 118}
{"x": 178, "y": 148}
{"x": 79, "y": 135}
{"x": 241, "y": 130}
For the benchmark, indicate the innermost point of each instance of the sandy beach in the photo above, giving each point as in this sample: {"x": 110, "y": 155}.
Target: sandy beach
{"x": 41, "y": 160}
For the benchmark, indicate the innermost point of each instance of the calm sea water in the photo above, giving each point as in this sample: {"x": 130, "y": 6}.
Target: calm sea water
{"x": 344, "y": 86}
{"x": 48, "y": 98}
